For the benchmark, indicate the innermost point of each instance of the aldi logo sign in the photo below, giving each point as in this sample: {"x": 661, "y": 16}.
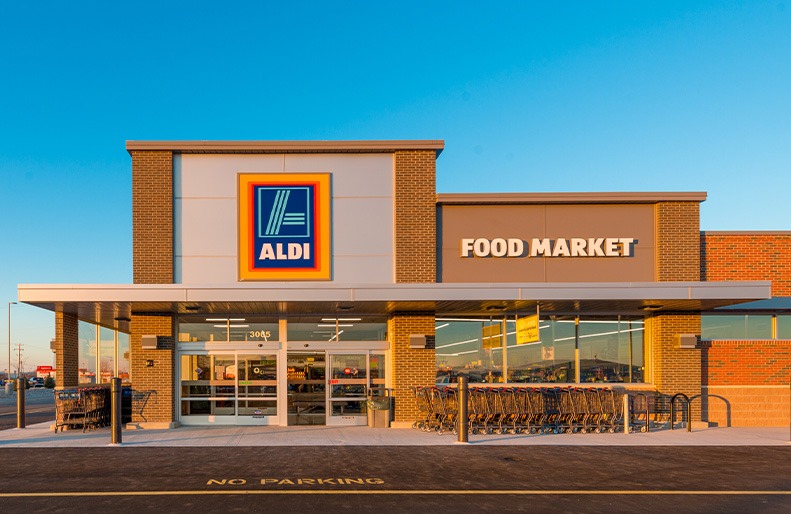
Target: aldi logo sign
{"x": 284, "y": 226}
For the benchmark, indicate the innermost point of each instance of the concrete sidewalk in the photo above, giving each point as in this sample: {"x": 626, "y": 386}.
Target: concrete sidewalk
{"x": 41, "y": 436}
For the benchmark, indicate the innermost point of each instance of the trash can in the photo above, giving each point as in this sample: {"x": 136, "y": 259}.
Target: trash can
{"x": 378, "y": 411}
{"x": 126, "y": 405}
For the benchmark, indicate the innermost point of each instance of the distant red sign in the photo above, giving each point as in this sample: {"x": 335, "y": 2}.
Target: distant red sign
{"x": 44, "y": 369}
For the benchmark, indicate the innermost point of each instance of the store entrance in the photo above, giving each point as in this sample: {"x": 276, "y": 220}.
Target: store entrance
{"x": 273, "y": 383}
{"x": 306, "y": 388}
{"x": 331, "y": 387}
{"x": 228, "y": 387}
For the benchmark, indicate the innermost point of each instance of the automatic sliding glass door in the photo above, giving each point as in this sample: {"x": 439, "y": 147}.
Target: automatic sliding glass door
{"x": 228, "y": 388}
{"x": 306, "y": 379}
{"x": 257, "y": 393}
{"x": 348, "y": 387}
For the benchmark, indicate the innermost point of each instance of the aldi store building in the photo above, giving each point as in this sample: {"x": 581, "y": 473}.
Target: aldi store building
{"x": 277, "y": 283}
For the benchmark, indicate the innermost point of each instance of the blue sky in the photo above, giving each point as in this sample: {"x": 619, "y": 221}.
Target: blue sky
{"x": 528, "y": 96}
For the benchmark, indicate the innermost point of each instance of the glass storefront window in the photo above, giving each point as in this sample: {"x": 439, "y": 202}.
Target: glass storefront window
{"x": 549, "y": 360}
{"x": 193, "y": 329}
{"x": 99, "y": 368}
{"x": 106, "y": 355}
{"x": 472, "y": 347}
{"x": 611, "y": 350}
{"x": 123, "y": 358}
{"x": 196, "y": 332}
{"x": 255, "y": 332}
{"x": 338, "y": 329}
{"x": 784, "y": 326}
{"x": 86, "y": 352}
{"x": 736, "y": 326}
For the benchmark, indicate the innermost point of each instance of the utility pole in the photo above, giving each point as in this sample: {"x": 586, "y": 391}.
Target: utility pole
{"x": 19, "y": 360}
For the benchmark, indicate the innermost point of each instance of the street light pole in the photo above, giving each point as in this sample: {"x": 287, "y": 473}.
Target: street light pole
{"x": 9, "y": 338}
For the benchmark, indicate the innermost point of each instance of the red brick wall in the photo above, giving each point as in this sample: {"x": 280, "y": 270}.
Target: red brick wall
{"x": 746, "y": 383}
{"x": 746, "y": 362}
{"x": 730, "y": 256}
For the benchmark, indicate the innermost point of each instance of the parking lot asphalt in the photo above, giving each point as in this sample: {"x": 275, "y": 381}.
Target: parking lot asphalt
{"x": 399, "y": 479}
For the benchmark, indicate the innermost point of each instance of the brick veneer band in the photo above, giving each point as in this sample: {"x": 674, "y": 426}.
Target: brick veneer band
{"x": 415, "y": 216}
{"x": 152, "y": 217}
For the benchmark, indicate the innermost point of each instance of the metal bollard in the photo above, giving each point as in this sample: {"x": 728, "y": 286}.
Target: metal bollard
{"x": 115, "y": 411}
{"x": 625, "y": 412}
{"x": 463, "y": 420}
{"x": 20, "y": 403}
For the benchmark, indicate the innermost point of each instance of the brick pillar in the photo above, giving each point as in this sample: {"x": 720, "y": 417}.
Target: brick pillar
{"x": 152, "y": 217}
{"x": 67, "y": 373}
{"x": 415, "y": 262}
{"x": 415, "y": 216}
{"x": 678, "y": 241}
{"x": 160, "y": 378}
{"x": 410, "y": 367}
{"x": 675, "y": 370}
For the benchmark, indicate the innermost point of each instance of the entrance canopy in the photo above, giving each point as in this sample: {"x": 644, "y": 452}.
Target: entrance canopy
{"x": 108, "y": 305}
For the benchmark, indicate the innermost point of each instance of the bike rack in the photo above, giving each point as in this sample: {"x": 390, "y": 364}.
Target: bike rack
{"x": 688, "y": 403}
{"x": 645, "y": 411}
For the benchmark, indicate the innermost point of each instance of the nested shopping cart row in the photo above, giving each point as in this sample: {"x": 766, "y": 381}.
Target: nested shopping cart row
{"x": 86, "y": 408}
{"x": 531, "y": 410}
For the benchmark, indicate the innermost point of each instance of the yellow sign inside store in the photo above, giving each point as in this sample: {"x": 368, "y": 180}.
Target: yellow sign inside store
{"x": 492, "y": 336}
{"x": 527, "y": 330}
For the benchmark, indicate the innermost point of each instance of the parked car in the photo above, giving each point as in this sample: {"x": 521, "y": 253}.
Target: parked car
{"x": 36, "y": 382}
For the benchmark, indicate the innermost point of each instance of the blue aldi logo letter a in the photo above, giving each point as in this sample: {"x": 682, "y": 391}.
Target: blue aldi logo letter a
{"x": 284, "y": 226}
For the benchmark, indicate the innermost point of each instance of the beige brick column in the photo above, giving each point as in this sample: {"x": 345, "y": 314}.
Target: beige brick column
{"x": 410, "y": 367}
{"x": 67, "y": 373}
{"x": 676, "y": 370}
{"x": 415, "y": 216}
{"x": 678, "y": 241}
{"x": 152, "y": 217}
{"x": 158, "y": 377}
{"x": 415, "y": 262}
